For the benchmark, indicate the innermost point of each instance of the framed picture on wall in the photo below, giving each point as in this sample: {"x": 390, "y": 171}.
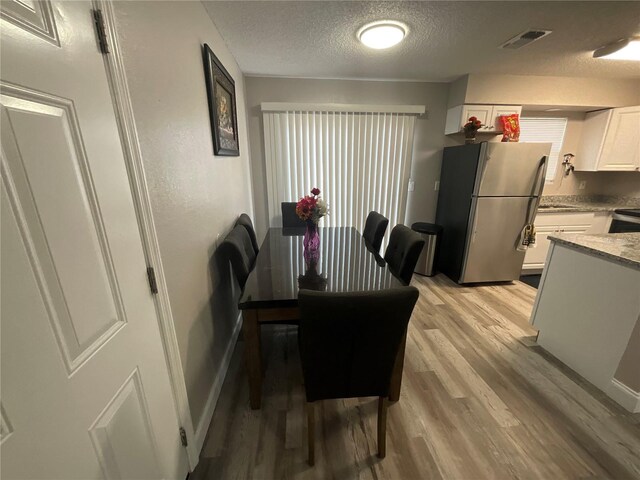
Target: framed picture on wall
{"x": 221, "y": 93}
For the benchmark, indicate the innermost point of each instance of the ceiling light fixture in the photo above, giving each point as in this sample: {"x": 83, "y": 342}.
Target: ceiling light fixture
{"x": 625, "y": 49}
{"x": 383, "y": 34}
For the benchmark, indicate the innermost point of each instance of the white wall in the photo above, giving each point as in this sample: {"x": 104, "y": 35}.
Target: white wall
{"x": 195, "y": 195}
{"x": 429, "y": 136}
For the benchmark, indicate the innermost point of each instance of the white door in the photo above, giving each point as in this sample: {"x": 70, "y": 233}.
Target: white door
{"x": 621, "y": 149}
{"x": 481, "y": 112}
{"x": 85, "y": 385}
{"x": 499, "y": 111}
{"x": 535, "y": 257}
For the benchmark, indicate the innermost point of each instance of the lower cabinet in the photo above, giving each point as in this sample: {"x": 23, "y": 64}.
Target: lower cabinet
{"x": 550, "y": 223}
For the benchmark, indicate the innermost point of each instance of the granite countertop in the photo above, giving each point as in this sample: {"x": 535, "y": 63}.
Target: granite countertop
{"x": 585, "y": 203}
{"x": 623, "y": 248}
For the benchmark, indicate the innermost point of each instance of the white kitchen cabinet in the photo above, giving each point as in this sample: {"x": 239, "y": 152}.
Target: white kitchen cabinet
{"x": 550, "y": 223}
{"x": 610, "y": 141}
{"x": 489, "y": 115}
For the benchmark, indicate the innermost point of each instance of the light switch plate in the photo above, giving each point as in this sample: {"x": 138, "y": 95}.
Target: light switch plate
{"x": 437, "y": 185}
{"x": 412, "y": 185}
{"x": 582, "y": 185}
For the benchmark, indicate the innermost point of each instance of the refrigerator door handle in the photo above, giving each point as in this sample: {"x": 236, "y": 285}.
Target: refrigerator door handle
{"x": 541, "y": 172}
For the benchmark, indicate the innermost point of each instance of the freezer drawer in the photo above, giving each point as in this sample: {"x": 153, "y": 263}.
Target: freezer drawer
{"x": 491, "y": 254}
{"x": 511, "y": 169}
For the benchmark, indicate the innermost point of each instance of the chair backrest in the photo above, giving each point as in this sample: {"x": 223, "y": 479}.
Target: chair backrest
{"x": 374, "y": 229}
{"x": 349, "y": 341}
{"x": 246, "y": 222}
{"x": 403, "y": 251}
{"x": 238, "y": 249}
{"x": 289, "y": 217}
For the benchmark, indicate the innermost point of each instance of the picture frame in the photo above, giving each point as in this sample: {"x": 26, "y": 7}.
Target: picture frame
{"x": 221, "y": 95}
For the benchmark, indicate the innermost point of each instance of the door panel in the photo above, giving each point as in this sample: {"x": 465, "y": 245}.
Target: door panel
{"x": 492, "y": 253}
{"x": 621, "y": 149}
{"x": 85, "y": 384}
{"x": 501, "y": 110}
{"x": 512, "y": 169}
{"x": 535, "y": 257}
{"x": 481, "y": 112}
{"x": 80, "y": 284}
{"x": 124, "y": 425}
{"x": 31, "y": 16}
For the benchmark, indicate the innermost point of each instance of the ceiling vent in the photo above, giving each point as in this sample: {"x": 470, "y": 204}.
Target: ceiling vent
{"x": 525, "y": 38}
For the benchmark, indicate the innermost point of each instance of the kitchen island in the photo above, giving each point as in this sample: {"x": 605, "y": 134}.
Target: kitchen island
{"x": 587, "y": 310}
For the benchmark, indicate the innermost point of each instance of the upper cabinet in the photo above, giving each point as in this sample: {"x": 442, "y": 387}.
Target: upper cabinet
{"x": 610, "y": 141}
{"x": 489, "y": 115}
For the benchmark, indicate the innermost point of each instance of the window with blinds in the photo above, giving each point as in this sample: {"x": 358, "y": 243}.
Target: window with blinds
{"x": 543, "y": 130}
{"x": 360, "y": 160}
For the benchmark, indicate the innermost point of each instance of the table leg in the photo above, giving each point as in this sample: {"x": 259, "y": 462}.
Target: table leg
{"x": 396, "y": 375}
{"x": 252, "y": 355}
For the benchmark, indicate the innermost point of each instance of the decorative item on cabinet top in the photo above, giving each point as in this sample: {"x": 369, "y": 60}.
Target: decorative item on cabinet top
{"x": 488, "y": 115}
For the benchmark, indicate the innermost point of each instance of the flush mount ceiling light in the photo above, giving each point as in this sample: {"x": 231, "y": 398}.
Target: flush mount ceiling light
{"x": 383, "y": 34}
{"x": 625, "y": 49}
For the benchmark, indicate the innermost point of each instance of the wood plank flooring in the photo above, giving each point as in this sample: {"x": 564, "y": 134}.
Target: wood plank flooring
{"x": 479, "y": 400}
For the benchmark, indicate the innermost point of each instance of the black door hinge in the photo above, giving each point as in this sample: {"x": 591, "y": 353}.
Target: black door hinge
{"x": 101, "y": 31}
{"x": 151, "y": 274}
{"x": 183, "y": 437}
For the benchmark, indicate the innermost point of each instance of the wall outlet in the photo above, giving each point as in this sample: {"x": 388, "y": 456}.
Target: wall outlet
{"x": 436, "y": 186}
{"x": 412, "y": 185}
{"x": 582, "y": 185}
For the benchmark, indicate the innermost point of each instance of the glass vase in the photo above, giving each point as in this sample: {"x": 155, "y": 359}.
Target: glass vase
{"x": 311, "y": 242}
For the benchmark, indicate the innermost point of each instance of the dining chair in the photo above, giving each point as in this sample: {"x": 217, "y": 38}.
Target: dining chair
{"x": 348, "y": 347}
{"x": 403, "y": 252}
{"x": 246, "y": 222}
{"x": 289, "y": 217}
{"x": 239, "y": 250}
{"x": 374, "y": 229}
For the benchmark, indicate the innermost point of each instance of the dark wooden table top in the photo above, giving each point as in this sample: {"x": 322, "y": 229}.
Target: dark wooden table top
{"x": 345, "y": 264}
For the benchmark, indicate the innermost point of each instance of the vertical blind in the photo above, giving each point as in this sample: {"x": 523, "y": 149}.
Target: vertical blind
{"x": 543, "y": 130}
{"x": 360, "y": 160}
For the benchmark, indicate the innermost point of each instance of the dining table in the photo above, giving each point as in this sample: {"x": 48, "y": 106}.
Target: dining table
{"x": 344, "y": 262}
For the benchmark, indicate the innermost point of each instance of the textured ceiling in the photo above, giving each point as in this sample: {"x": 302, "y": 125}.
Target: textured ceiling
{"x": 446, "y": 39}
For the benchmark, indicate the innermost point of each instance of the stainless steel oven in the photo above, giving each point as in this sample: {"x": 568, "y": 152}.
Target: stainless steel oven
{"x": 625, "y": 220}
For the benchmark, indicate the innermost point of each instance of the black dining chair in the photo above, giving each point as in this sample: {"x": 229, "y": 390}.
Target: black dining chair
{"x": 289, "y": 217}
{"x": 348, "y": 347}
{"x": 246, "y": 222}
{"x": 374, "y": 229}
{"x": 239, "y": 250}
{"x": 403, "y": 252}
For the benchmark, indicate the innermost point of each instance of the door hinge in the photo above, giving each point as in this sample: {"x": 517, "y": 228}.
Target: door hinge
{"x": 151, "y": 274}
{"x": 101, "y": 31}
{"x": 183, "y": 437}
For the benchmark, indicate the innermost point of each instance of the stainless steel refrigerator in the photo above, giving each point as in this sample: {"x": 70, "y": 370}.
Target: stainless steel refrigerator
{"x": 489, "y": 192}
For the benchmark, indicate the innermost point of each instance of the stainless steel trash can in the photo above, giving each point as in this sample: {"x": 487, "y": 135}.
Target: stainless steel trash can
{"x": 431, "y": 233}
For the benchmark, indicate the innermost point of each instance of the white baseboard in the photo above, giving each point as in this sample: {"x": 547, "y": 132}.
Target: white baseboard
{"x": 623, "y": 395}
{"x": 214, "y": 393}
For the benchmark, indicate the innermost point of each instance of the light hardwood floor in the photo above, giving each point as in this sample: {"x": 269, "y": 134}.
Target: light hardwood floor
{"x": 479, "y": 400}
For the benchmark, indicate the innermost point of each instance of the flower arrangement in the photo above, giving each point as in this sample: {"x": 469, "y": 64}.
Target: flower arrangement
{"x": 312, "y": 207}
{"x": 471, "y": 127}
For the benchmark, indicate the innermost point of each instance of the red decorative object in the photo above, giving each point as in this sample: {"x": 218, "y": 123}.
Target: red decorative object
{"x": 312, "y": 207}
{"x": 510, "y": 127}
{"x": 471, "y": 128}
